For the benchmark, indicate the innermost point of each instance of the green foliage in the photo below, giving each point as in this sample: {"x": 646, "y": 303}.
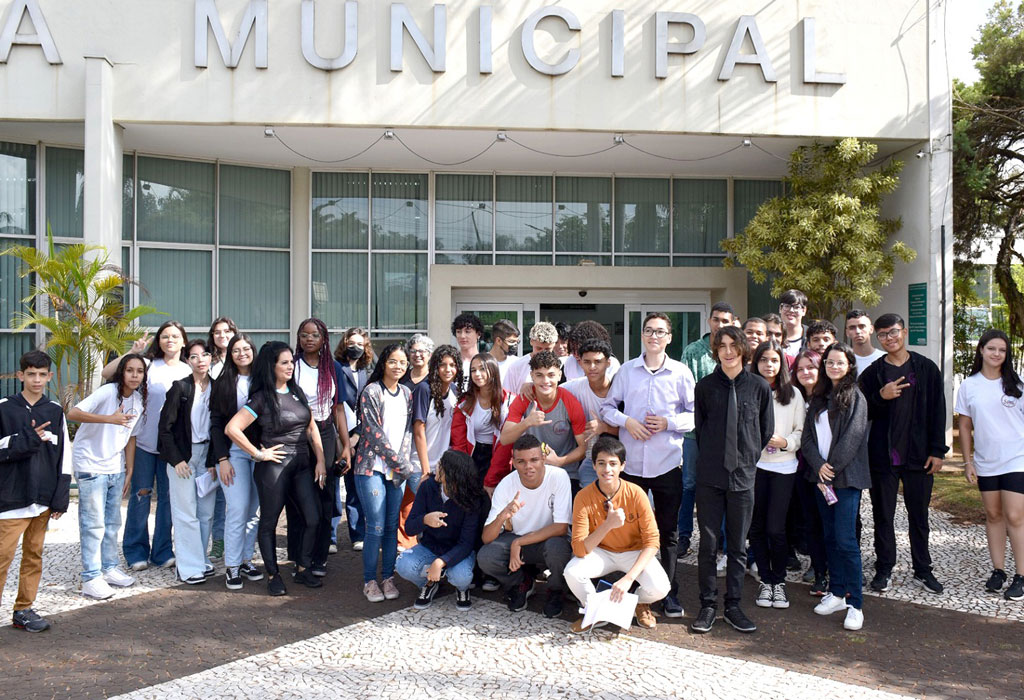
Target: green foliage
{"x": 825, "y": 236}
{"x": 84, "y": 313}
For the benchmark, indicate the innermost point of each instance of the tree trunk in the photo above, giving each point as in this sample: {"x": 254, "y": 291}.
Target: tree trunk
{"x": 1003, "y": 273}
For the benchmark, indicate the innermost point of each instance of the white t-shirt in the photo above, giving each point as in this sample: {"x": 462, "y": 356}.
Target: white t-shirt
{"x": 99, "y": 447}
{"x": 201, "y": 415}
{"x": 823, "y": 431}
{"x": 551, "y": 502}
{"x": 216, "y": 369}
{"x": 572, "y": 370}
{"x": 308, "y": 377}
{"x": 505, "y": 364}
{"x": 591, "y": 402}
{"x": 395, "y": 412}
{"x": 998, "y": 425}
{"x": 864, "y": 362}
{"x": 438, "y": 429}
{"x": 517, "y": 373}
{"x": 483, "y": 428}
{"x": 159, "y": 377}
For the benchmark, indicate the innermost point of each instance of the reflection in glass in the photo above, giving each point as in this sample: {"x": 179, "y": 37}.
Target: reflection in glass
{"x": 340, "y": 210}
{"x": 399, "y": 211}
{"x": 175, "y": 201}
{"x": 463, "y": 213}
{"x": 523, "y": 213}
{"x": 641, "y": 215}
{"x": 583, "y": 214}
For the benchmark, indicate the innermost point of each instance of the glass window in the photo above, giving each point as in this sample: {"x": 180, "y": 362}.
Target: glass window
{"x": 641, "y": 215}
{"x": 17, "y": 189}
{"x": 65, "y": 191}
{"x": 583, "y": 214}
{"x": 399, "y": 291}
{"x": 17, "y": 227}
{"x": 265, "y": 305}
{"x": 177, "y": 282}
{"x": 523, "y": 259}
{"x": 339, "y": 289}
{"x": 255, "y": 207}
{"x": 399, "y": 211}
{"x": 449, "y": 259}
{"x": 699, "y": 209}
{"x": 602, "y": 260}
{"x": 12, "y": 287}
{"x": 175, "y": 201}
{"x": 128, "y": 198}
{"x": 12, "y": 347}
{"x": 642, "y": 260}
{"x": 523, "y": 209}
{"x": 463, "y": 214}
{"x": 341, "y": 210}
{"x": 748, "y": 195}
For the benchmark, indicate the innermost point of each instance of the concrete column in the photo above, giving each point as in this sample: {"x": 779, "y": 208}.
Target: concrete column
{"x": 104, "y": 155}
{"x": 301, "y": 192}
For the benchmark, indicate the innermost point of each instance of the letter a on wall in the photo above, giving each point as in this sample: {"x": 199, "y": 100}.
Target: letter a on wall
{"x": 9, "y": 35}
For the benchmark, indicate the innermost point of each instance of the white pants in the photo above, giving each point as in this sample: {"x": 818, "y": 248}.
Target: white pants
{"x": 654, "y": 584}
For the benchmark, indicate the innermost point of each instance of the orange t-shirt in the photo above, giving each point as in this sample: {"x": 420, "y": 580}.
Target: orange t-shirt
{"x": 588, "y": 512}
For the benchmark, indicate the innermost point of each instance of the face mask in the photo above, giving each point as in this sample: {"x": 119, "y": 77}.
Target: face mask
{"x": 512, "y": 350}
{"x": 353, "y": 352}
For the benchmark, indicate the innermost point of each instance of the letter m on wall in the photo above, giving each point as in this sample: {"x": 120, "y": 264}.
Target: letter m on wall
{"x": 255, "y": 18}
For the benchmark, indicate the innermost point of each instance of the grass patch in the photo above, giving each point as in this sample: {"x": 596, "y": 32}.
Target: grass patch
{"x": 952, "y": 494}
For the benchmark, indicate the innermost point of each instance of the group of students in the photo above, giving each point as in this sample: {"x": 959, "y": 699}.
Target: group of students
{"x": 492, "y": 470}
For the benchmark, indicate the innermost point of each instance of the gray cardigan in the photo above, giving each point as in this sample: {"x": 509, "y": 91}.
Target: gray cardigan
{"x": 848, "y": 453}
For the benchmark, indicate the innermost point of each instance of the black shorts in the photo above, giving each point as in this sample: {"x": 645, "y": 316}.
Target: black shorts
{"x": 1014, "y": 481}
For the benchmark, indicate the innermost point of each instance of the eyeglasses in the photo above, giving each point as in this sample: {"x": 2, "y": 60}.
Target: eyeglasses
{"x": 792, "y": 307}
{"x": 836, "y": 364}
{"x": 419, "y": 351}
{"x": 658, "y": 333}
{"x": 309, "y": 336}
{"x": 397, "y": 363}
{"x": 204, "y": 356}
{"x": 889, "y": 334}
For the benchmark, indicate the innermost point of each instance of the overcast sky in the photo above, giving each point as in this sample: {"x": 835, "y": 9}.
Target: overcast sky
{"x": 963, "y": 17}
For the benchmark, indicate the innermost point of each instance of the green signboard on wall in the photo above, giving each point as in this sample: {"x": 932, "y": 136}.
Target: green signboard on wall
{"x": 917, "y": 321}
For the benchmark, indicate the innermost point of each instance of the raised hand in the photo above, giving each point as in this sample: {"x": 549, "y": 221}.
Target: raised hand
{"x": 536, "y": 417}
{"x": 40, "y": 429}
{"x": 435, "y": 519}
{"x": 893, "y": 389}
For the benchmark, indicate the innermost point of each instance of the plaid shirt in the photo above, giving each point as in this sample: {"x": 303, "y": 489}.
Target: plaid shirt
{"x": 373, "y": 441}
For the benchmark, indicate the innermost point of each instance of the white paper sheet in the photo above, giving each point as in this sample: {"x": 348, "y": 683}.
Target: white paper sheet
{"x": 205, "y": 483}
{"x": 600, "y": 608}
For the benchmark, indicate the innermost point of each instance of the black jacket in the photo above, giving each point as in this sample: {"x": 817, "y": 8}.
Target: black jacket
{"x": 175, "y": 432}
{"x": 31, "y": 469}
{"x": 754, "y": 428}
{"x": 220, "y": 444}
{"x": 848, "y": 454}
{"x": 928, "y": 436}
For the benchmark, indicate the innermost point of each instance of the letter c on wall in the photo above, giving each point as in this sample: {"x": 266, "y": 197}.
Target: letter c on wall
{"x": 572, "y": 57}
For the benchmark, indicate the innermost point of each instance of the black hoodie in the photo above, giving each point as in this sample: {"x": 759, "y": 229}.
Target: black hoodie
{"x": 32, "y": 470}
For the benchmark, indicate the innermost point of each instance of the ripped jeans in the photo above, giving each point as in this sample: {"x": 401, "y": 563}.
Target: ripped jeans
{"x": 149, "y": 471}
{"x": 381, "y": 500}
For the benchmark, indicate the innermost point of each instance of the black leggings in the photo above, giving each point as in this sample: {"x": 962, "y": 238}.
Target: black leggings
{"x": 275, "y": 484}
{"x": 296, "y": 523}
{"x": 482, "y": 458}
{"x": 772, "y": 493}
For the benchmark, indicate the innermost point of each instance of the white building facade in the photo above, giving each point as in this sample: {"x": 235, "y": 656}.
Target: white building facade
{"x": 387, "y": 165}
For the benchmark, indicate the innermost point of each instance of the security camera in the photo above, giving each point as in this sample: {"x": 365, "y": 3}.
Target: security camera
{"x": 920, "y": 154}
{"x": 583, "y": 292}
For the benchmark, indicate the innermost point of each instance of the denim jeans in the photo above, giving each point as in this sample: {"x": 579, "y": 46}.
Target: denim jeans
{"x": 587, "y": 473}
{"x": 381, "y": 501}
{"x": 413, "y": 563}
{"x": 149, "y": 472}
{"x": 191, "y": 516}
{"x": 217, "y": 530}
{"x": 352, "y": 509}
{"x": 99, "y": 519}
{"x": 240, "y": 505}
{"x": 841, "y": 546}
{"x": 689, "y": 489}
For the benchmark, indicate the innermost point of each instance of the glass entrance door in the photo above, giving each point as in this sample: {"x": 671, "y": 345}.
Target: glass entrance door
{"x": 688, "y": 322}
{"x": 522, "y": 315}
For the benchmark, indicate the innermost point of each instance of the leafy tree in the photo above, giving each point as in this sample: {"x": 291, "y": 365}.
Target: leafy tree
{"x": 86, "y": 316}
{"x": 825, "y": 236}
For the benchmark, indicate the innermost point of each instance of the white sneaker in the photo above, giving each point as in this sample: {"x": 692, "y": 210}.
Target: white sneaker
{"x": 854, "y": 619}
{"x": 721, "y": 565}
{"x": 830, "y": 604}
{"x": 139, "y": 566}
{"x": 357, "y": 546}
{"x": 116, "y": 577}
{"x": 97, "y": 589}
{"x": 332, "y": 549}
{"x": 765, "y": 596}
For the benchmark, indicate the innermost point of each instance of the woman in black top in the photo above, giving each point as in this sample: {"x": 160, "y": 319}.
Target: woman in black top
{"x": 278, "y": 407}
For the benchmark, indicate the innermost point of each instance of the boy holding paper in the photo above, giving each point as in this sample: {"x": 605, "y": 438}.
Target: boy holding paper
{"x": 613, "y": 529}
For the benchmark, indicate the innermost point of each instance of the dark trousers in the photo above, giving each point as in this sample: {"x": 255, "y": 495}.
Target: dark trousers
{"x": 772, "y": 494}
{"x": 667, "y": 491}
{"x": 806, "y": 495}
{"x": 917, "y": 494}
{"x": 737, "y": 507}
{"x": 482, "y": 453}
{"x": 293, "y": 513}
{"x": 553, "y": 554}
{"x": 844, "y": 561}
{"x": 275, "y": 484}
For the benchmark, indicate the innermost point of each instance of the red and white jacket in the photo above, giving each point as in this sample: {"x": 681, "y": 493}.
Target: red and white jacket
{"x": 464, "y": 440}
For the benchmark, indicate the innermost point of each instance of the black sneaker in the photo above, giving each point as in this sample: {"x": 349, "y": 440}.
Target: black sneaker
{"x": 928, "y": 582}
{"x": 793, "y": 564}
{"x": 670, "y": 607}
{"x": 881, "y": 582}
{"x": 232, "y": 579}
{"x": 553, "y": 605}
{"x": 210, "y": 573}
{"x": 319, "y": 570}
{"x": 683, "y": 548}
{"x": 195, "y": 580}
{"x": 30, "y": 621}
{"x": 1016, "y": 589}
{"x": 426, "y": 596}
{"x": 308, "y": 579}
{"x": 996, "y": 581}
{"x": 275, "y": 585}
{"x": 809, "y": 576}
{"x": 518, "y": 595}
{"x": 820, "y": 586}
{"x": 463, "y": 601}
{"x": 735, "y": 617}
{"x": 705, "y": 620}
{"x": 250, "y": 571}
{"x": 490, "y": 584}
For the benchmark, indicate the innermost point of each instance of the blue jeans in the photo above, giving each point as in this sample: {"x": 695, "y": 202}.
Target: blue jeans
{"x": 219, "y": 506}
{"x": 689, "y": 488}
{"x": 413, "y": 563}
{"x": 587, "y": 473}
{"x": 353, "y": 511}
{"x": 149, "y": 472}
{"x": 381, "y": 501}
{"x": 841, "y": 546}
{"x": 191, "y": 516}
{"x": 99, "y": 519}
{"x": 240, "y": 505}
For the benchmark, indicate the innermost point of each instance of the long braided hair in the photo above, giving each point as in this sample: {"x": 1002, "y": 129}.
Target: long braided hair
{"x": 325, "y": 377}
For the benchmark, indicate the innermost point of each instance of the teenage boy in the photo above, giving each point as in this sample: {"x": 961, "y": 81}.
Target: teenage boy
{"x": 468, "y": 330}
{"x": 792, "y": 308}
{"x": 613, "y": 529}
{"x": 859, "y": 331}
{"x": 734, "y": 420}
{"x": 656, "y": 394}
{"x": 697, "y": 358}
{"x": 561, "y": 348}
{"x": 581, "y": 333}
{"x": 756, "y": 331}
{"x": 773, "y": 327}
{"x": 528, "y": 522}
{"x": 35, "y": 463}
{"x": 820, "y": 335}
{"x": 543, "y": 336}
{"x": 906, "y": 444}
{"x": 506, "y": 344}
{"x": 554, "y": 416}
{"x": 590, "y": 390}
